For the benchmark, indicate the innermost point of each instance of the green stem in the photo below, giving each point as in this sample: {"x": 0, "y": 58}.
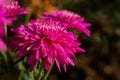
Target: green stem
{"x": 27, "y": 19}
{"x": 21, "y": 75}
{"x": 31, "y": 75}
{"x": 8, "y": 66}
{"x": 41, "y": 74}
{"x": 20, "y": 59}
{"x": 22, "y": 69}
{"x": 47, "y": 74}
{"x": 6, "y": 36}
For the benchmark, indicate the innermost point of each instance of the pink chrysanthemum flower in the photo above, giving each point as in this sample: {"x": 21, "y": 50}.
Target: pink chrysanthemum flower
{"x": 71, "y": 20}
{"x": 14, "y": 9}
{"x": 8, "y": 11}
{"x": 45, "y": 40}
{"x": 4, "y": 20}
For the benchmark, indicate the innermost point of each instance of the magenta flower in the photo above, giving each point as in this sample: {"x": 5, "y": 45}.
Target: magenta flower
{"x": 8, "y": 11}
{"x": 14, "y": 9}
{"x": 3, "y": 21}
{"x": 45, "y": 40}
{"x": 70, "y": 20}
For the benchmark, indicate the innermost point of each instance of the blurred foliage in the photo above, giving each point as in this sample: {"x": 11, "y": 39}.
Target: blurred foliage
{"x": 101, "y": 60}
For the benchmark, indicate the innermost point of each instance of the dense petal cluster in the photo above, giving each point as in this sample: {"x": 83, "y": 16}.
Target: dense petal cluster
{"x": 46, "y": 40}
{"x": 8, "y": 11}
{"x": 70, "y": 20}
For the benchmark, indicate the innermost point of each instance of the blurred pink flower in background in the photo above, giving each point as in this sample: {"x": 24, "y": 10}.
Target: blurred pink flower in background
{"x": 45, "y": 40}
{"x": 8, "y": 11}
{"x": 14, "y": 9}
{"x": 4, "y": 20}
{"x": 70, "y": 20}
